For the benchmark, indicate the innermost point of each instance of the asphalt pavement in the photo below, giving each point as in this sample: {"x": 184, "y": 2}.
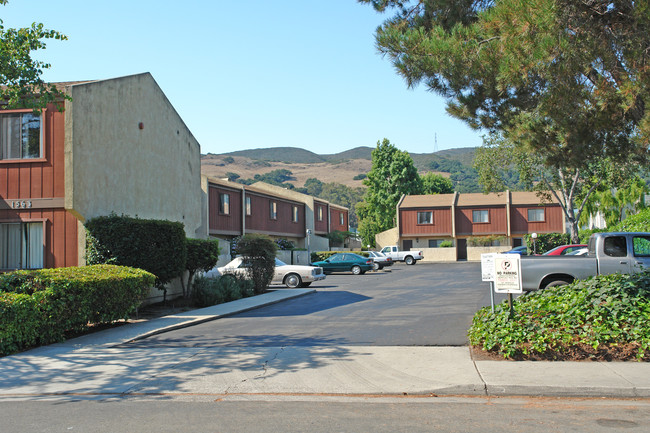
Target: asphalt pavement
{"x": 103, "y": 366}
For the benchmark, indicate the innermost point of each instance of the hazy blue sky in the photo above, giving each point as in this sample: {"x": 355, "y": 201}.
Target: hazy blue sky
{"x": 245, "y": 74}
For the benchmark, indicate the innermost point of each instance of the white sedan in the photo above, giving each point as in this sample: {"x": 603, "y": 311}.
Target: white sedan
{"x": 291, "y": 276}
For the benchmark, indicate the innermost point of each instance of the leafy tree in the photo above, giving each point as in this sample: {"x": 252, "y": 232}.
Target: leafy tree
{"x": 202, "y": 255}
{"x": 258, "y": 252}
{"x": 616, "y": 203}
{"x": 435, "y": 184}
{"x": 232, "y": 177}
{"x": 313, "y": 187}
{"x": 21, "y": 85}
{"x": 392, "y": 175}
{"x": 563, "y": 81}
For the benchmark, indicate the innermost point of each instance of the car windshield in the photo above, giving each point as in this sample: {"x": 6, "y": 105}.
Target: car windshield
{"x": 279, "y": 262}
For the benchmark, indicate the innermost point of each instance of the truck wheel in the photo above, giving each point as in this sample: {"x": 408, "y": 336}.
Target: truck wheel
{"x": 558, "y": 283}
{"x": 356, "y": 270}
{"x": 409, "y": 260}
{"x": 292, "y": 281}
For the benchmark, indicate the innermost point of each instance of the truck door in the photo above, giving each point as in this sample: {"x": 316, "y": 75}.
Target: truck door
{"x": 615, "y": 257}
{"x": 641, "y": 250}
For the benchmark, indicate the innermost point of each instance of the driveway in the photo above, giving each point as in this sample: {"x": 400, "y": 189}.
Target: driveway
{"x": 421, "y": 305}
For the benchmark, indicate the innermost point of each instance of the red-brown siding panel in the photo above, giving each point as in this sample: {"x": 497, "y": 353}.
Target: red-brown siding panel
{"x": 553, "y": 221}
{"x": 230, "y": 223}
{"x": 261, "y": 221}
{"x": 320, "y": 226}
{"x": 441, "y": 222}
{"x": 336, "y": 220}
{"x": 497, "y": 222}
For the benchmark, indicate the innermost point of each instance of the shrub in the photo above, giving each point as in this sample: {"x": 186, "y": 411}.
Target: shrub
{"x": 284, "y": 244}
{"x": 639, "y": 222}
{"x": 584, "y": 235}
{"x": 485, "y": 241}
{"x": 156, "y": 246}
{"x": 213, "y": 291}
{"x": 258, "y": 251}
{"x": 446, "y": 244}
{"x": 547, "y": 241}
{"x": 202, "y": 255}
{"x": 56, "y": 301}
{"x": 593, "y": 317}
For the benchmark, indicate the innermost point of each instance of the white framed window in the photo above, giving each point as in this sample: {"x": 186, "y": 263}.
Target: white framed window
{"x": 425, "y": 217}
{"x": 273, "y": 210}
{"x": 21, "y": 245}
{"x": 536, "y": 215}
{"x": 294, "y": 214}
{"x": 341, "y": 219}
{"x": 320, "y": 213}
{"x": 224, "y": 204}
{"x": 480, "y": 216}
{"x": 20, "y": 136}
{"x": 249, "y": 207}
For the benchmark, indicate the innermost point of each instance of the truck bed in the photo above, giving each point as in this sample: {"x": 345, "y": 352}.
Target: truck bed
{"x": 536, "y": 269}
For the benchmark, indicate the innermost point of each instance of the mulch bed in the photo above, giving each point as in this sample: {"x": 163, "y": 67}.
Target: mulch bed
{"x": 576, "y": 352}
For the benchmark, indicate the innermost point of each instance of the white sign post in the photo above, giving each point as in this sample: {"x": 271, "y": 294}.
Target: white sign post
{"x": 487, "y": 273}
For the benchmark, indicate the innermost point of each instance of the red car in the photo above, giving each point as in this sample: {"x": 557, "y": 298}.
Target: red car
{"x": 563, "y": 250}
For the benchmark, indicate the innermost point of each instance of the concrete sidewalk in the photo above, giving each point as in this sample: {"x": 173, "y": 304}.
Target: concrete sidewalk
{"x": 102, "y": 365}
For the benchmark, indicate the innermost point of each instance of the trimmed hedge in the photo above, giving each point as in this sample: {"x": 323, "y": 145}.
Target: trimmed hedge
{"x": 212, "y": 291}
{"x": 41, "y": 306}
{"x": 157, "y": 246}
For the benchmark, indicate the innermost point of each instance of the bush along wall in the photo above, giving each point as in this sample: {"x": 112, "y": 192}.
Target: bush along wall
{"x": 41, "y": 306}
{"x": 547, "y": 241}
{"x": 157, "y": 246}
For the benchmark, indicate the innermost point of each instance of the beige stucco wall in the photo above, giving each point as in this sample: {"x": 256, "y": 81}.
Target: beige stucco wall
{"x": 438, "y": 254}
{"x": 474, "y": 253}
{"x": 387, "y": 238}
{"x": 112, "y": 164}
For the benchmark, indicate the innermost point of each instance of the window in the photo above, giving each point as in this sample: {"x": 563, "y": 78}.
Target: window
{"x": 320, "y": 213}
{"x": 249, "y": 208}
{"x": 20, "y": 136}
{"x": 615, "y": 246}
{"x": 425, "y": 217}
{"x": 273, "y": 210}
{"x": 480, "y": 216}
{"x": 641, "y": 246}
{"x": 536, "y": 215}
{"x": 224, "y": 204}
{"x": 294, "y": 214}
{"x": 434, "y": 243}
{"x": 341, "y": 219}
{"x": 21, "y": 245}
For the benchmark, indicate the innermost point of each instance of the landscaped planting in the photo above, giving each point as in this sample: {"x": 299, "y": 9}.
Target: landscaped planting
{"x": 41, "y": 306}
{"x": 602, "y": 318}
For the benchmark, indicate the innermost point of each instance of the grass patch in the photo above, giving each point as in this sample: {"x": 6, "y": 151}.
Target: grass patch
{"x": 602, "y": 318}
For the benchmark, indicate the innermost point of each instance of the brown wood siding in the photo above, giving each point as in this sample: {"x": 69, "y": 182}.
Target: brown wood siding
{"x": 230, "y": 224}
{"x": 42, "y": 178}
{"x": 60, "y": 236}
{"x": 497, "y": 221}
{"x": 554, "y": 220}
{"x": 336, "y": 219}
{"x": 441, "y": 222}
{"x": 260, "y": 221}
{"x": 320, "y": 226}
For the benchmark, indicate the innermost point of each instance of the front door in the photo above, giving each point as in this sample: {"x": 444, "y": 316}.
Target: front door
{"x": 615, "y": 256}
{"x": 407, "y": 244}
{"x": 461, "y": 249}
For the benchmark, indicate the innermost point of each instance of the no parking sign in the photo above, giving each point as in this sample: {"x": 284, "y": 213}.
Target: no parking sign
{"x": 507, "y": 273}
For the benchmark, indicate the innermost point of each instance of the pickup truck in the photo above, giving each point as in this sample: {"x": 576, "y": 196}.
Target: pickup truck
{"x": 608, "y": 253}
{"x": 408, "y": 257}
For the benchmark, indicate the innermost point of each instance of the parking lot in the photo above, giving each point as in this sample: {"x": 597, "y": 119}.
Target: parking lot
{"x": 421, "y": 305}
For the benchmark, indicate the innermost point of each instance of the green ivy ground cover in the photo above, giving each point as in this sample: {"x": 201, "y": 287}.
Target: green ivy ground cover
{"x": 605, "y": 318}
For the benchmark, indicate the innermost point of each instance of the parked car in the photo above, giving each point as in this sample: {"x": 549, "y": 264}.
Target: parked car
{"x": 563, "y": 250}
{"x": 608, "y": 253}
{"x": 408, "y": 257}
{"x": 579, "y": 252}
{"x": 380, "y": 260}
{"x": 291, "y": 276}
{"x": 523, "y": 250}
{"x": 346, "y": 262}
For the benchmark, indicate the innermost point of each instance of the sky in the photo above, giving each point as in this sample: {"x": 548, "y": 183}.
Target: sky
{"x": 250, "y": 74}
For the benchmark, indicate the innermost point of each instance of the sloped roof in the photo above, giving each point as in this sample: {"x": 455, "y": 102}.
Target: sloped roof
{"x": 529, "y": 198}
{"x": 430, "y": 200}
{"x": 480, "y": 199}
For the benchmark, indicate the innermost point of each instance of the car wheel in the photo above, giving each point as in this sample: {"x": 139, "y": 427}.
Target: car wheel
{"x": 557, "y": 283}
{"x": 375, "y": 266}
{"x": 409, "y": 260}
{"x": 292, "y": 281}
{"x": 305, "y": 284}
{"x": 356, "y": 270}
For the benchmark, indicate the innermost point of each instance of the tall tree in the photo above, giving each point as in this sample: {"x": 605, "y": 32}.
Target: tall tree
{"x": 616, "y": 203}
{"x": 21, "y": 85}
{"x": 392, "y": 175}
{"x": 433, "y": 183}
